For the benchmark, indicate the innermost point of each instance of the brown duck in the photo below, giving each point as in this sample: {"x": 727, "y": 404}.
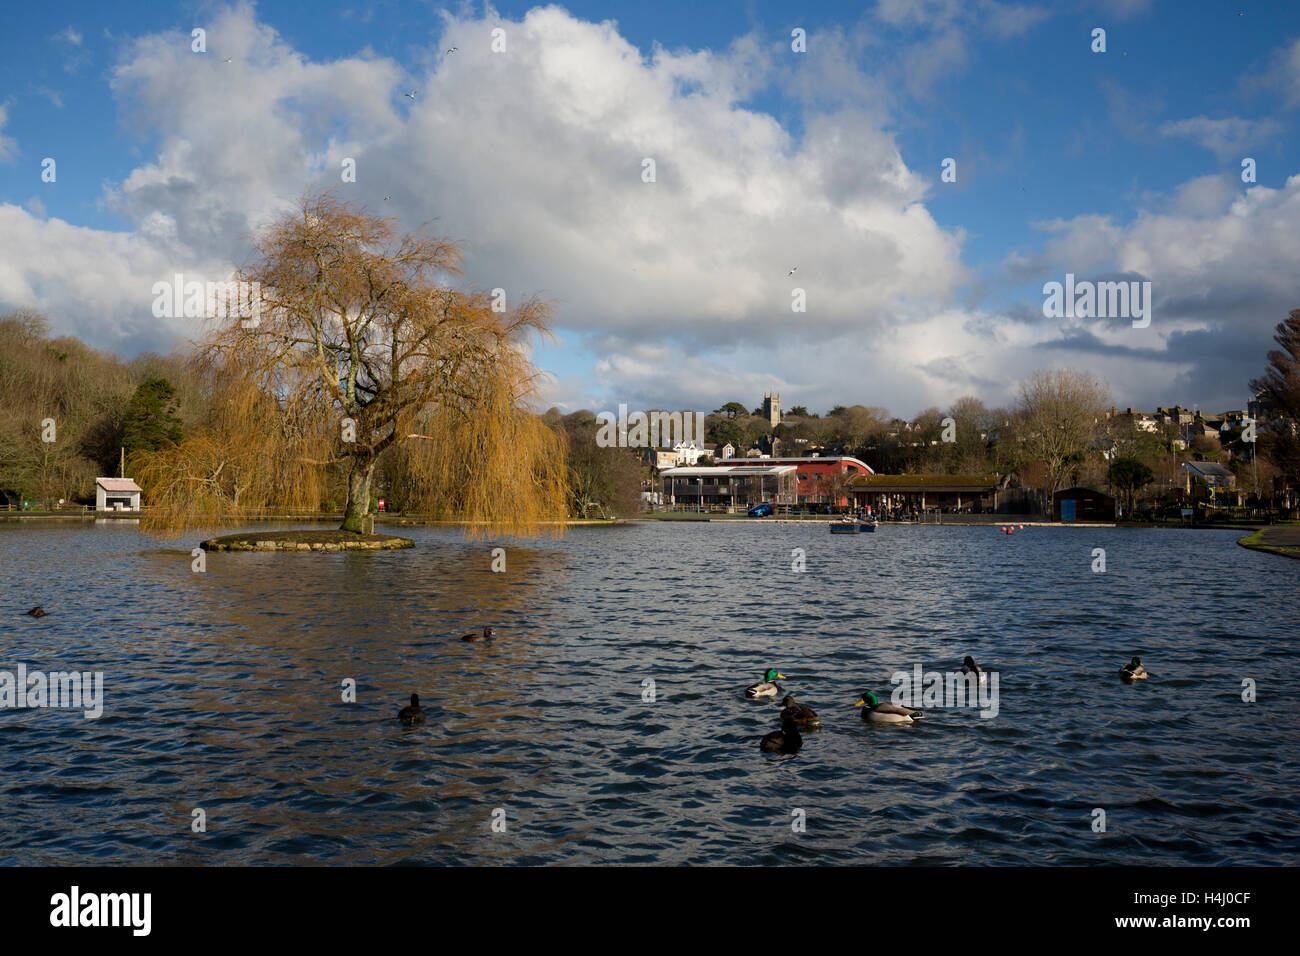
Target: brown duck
{"x": 802, "y": 715}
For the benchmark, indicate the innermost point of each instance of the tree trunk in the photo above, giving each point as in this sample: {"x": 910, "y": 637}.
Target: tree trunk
{"x": 358, "y": 506}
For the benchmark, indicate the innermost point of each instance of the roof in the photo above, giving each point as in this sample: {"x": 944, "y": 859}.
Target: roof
{"x": 117, "y": 484}
{"x": 1211, "y": 469}
{"x": 924, "y": 482}
{"x": 726, "y": 471}
{"x": 819, "y": 460}
{"x": 1078, "y": 488}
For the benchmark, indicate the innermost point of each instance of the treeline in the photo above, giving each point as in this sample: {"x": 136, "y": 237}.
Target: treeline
{"x": 67, "y": 411}
{"x": 1061, "y": 430}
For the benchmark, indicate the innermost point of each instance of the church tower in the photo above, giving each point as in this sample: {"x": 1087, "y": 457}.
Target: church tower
{"x": 772, "y": 408}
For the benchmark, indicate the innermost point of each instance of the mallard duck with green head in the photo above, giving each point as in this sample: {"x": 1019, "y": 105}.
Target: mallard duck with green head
{"x": 802, "y": 715}
{"x": 1133, "y": 670}
{"x": 784, "y": 741}
{"x": 767, "y": 687}
{"x": 874, "y": 710}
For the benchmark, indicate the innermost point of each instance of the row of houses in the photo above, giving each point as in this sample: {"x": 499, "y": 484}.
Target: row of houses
{"x": 689, "y": 453}
{"x": 1190, "y": 424}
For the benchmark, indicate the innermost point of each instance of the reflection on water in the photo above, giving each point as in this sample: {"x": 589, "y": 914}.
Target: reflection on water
{"x": 224, "y": 690}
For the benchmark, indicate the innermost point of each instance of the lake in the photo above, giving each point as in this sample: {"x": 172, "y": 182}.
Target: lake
{"x": 223, "y": 691}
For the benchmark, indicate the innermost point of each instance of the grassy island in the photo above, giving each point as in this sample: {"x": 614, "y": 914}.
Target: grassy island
{"x": 306, "y": 540}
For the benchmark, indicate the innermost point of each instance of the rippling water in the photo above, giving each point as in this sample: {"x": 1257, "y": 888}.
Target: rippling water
{"x": 222, "y": 691}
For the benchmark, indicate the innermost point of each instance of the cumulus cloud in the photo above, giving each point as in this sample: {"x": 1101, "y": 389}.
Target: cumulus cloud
{"x": 674, "y": 292}
{"x": 536, "y": 160}
{"x": 1222, "y": 276}
{"x": 94, "y": 284}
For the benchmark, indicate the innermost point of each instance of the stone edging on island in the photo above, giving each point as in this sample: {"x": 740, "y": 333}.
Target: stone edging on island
{"x": 306, "y": 541}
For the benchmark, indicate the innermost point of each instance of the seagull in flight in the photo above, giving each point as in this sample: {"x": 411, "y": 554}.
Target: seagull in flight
{"x": 791, "y": 272}
{"x": 227, "y": 59}
{"x": 386, "y": 198}
{"x": 451, "y": 49}
{"x": 411, "y": 95}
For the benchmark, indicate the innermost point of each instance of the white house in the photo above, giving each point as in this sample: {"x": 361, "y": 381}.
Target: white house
{"x": 688, "y": 453}
{"x": 117, "y": 494}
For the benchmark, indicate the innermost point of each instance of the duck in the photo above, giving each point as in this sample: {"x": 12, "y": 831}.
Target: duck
{"x": 873, "y": 709}
{"x": 787, "y": 740}
{"x": 767, "y": 687}
{"x": 802, "y": 715}
{"x": 484, "y": 635}
{"x": 1133, "y": 670}
{"x": 968, "y": 666}
{"x": 413, "y": 714}
{"x": 37, "y": 611}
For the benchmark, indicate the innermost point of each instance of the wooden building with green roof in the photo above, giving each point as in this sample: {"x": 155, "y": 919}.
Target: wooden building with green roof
{"x": 954, "y": 493}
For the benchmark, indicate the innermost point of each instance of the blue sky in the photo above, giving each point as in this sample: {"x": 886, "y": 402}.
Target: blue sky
{"x": 1118, "y": 164}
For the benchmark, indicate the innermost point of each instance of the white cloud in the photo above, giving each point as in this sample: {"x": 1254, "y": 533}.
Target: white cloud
{"x": 679, "y": 288}
{"x": 1222, "y": 275}
{"x": 1282, "y": 74}
{"x": 95, "y": 285}
{"x": 535, "y": 159}
{"x": 1226, "y": 138}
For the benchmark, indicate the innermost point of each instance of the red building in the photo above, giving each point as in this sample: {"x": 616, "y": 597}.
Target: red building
{"x": 812, "y": 476}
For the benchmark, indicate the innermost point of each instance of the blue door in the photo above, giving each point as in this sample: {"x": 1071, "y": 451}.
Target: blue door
{"x": 1067, "y": 509}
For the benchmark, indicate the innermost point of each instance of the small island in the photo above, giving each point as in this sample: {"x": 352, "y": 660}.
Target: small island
{"x": 306, "y": 540}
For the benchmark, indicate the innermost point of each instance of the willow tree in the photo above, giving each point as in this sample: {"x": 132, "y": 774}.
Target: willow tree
{"x": 360, "y": 344}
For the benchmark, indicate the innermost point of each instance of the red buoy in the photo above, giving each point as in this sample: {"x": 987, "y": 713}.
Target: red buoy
{"x": 1009, "y": 530}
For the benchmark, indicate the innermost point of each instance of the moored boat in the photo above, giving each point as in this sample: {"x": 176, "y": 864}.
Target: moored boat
{"x": 853, "y": 526}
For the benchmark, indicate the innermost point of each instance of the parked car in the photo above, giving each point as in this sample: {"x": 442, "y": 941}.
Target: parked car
{"x": 761, "y": 510}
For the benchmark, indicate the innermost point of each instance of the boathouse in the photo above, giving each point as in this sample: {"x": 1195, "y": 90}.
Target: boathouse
{"x": 888, "y": 494}
{"x": 1082, "y": 504}
{"x": 117, "y": 494}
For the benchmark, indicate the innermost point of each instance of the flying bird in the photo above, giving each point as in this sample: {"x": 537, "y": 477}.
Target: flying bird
{"x": 451, "y": 49}
{"x": 791, "y": 272}
{"x": 386, "y": 198}
{"x": 411, "y": 95}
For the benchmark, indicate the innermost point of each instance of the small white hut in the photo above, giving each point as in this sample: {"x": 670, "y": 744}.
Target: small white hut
{"x": 117, "y": 494}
